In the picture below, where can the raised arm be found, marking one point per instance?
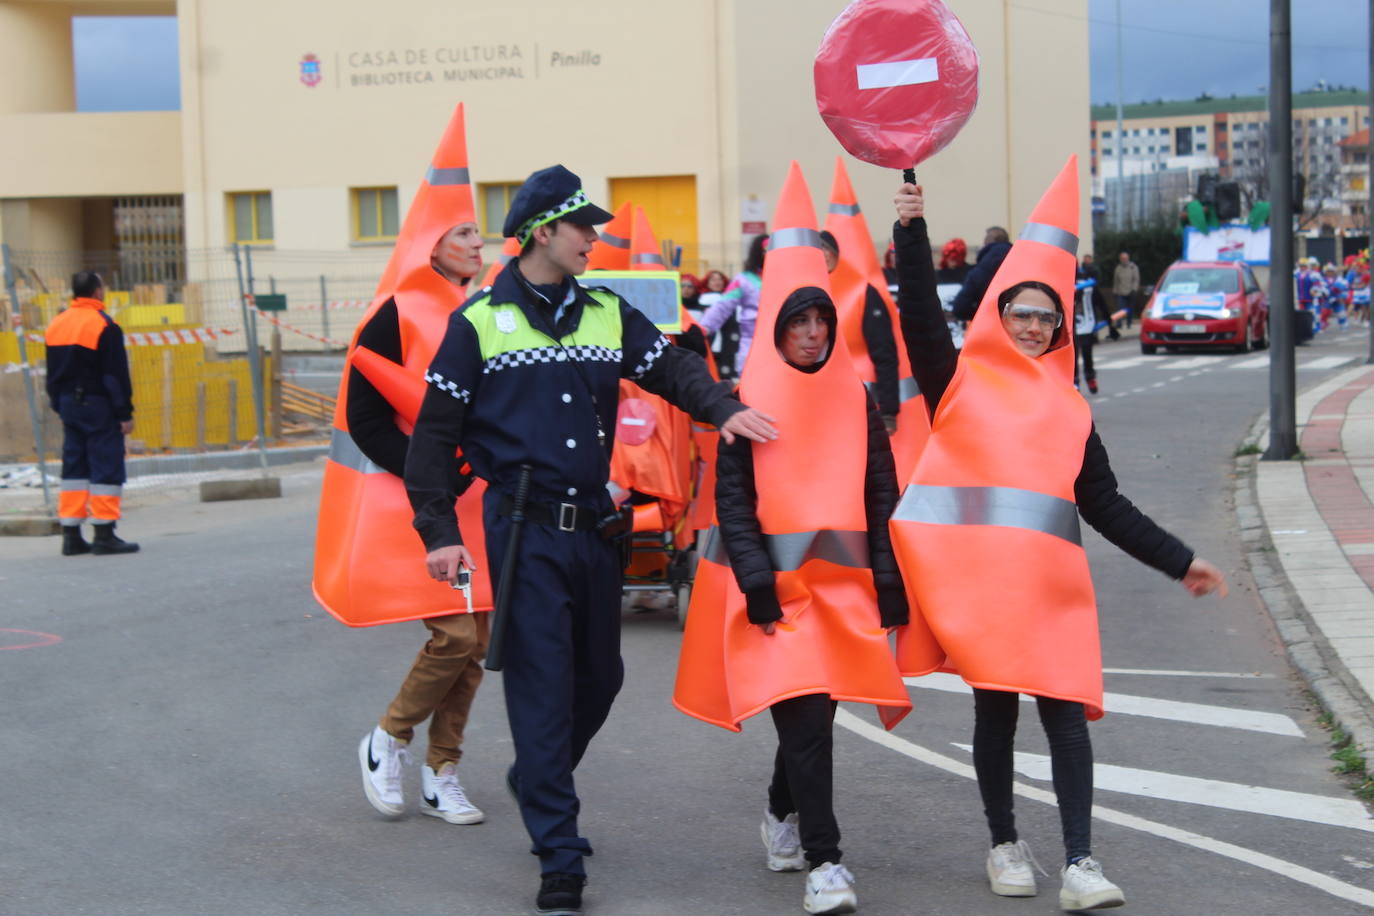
(924, 330)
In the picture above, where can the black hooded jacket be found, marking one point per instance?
(737, 505)
(933, 359)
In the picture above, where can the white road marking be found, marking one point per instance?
(1253, 362)
(1315, 879)
(1214, 793)
(1195, 362)
(1137, 390)
(1270, 723)
(1176, 378)
(1158, 385)
(1127, 363)
(1327, 362)
(1175, 672)
(1197, 372)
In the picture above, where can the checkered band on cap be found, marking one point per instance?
(583, 353)
(650, 357)
(576, 202)
(443, 384)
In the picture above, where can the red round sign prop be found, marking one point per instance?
(634, 421)
(896, 80)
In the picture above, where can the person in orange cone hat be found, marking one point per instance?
(799, 619)
(868, 322)
(526, 382)
(369, 565)
(987, 529)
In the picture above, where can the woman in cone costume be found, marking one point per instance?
(800, 619)
(369, 565)
(1012, 461)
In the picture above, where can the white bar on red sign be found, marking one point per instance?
(898, 73)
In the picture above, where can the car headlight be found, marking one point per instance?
(1229, 312)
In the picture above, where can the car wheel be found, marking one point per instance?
(684, 600)
(1262, 342)
(1149, 349)
(1244, 345)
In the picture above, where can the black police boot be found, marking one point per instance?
(560, 894)
(107, 542)
(73, 543)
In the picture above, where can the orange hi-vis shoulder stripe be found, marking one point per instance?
(987, 529)
(369, 562)
(80, 325)
(810, 485)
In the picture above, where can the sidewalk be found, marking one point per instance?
(1310, 531)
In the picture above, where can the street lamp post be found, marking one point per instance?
(1283, 431)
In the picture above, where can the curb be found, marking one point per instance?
(29, 526)
(1304, 642)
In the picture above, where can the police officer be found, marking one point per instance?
(89, 387)
(528, 374)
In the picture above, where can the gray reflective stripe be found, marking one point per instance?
(70, 486)
(437, 177)
(1004, 507)
(107, 489)
(504, 258)
(343, 450)
(845, 209)
(614, 241)
(1050, 235)
(647, 258)
(907, 389)
(789, 552)
(794, 238)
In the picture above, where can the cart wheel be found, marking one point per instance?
(684, 599)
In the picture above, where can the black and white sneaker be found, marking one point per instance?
(380, 757)
(444, 796)
(560, 894)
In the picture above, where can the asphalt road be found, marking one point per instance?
(185, 741)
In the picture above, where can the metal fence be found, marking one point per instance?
(206, 346)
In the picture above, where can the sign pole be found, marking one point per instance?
(1283, 423)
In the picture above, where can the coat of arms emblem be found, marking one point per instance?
(310, 70)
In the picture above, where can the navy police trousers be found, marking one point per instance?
(562, 671)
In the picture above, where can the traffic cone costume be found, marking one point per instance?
(611, 250)
(858, 270)
(987, 531)
(810, 485)
(369, 562)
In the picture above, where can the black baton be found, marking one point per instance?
(909, 176)
(500, 613)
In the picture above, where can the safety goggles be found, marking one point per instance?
(1022, 315)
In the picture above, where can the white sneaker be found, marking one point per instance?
(380, 756)
(1009, 870)
(1086, 888)
(783, 842)
(830, 889)
(444, 796)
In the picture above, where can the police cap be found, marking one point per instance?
(550, 194)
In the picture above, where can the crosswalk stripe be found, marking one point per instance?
(1271, 723)
(1327, 362)
(1129, 362)
(1215, 793)
(1252, 362)
(1195, 362)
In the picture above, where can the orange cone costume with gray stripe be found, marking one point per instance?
(859, 269)
(987, 530)
(810, 484)
(369, 562)
(611, 250)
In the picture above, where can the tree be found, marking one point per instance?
(1316, 156)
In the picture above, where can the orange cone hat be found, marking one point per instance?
(444, 196)
(860, 269)
(996, 479)
(645, 253)
(611, 250)
(810, 509)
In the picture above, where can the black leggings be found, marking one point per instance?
(803, 773)
(1071, 762)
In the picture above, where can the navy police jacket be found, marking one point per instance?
(511, 385)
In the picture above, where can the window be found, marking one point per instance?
(1106, 150)
(1106, 135)
(1199, 129)
(1200, 146)
(1237, 144)
(375, 214)
(496, 200)
(250, 217)
(1345, 122)
(1151, 149)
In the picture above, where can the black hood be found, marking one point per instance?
(799, 301)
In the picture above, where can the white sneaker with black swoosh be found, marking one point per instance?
(380, 756)
(444, 796)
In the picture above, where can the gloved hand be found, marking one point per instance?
(762, 605)
(893, 610)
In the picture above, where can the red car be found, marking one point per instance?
(1206, 304)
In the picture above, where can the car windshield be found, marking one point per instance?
(1201, 280)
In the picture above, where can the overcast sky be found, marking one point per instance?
(1173, 49)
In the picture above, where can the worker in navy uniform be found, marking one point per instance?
(528, 373)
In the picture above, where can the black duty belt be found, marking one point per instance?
(563, 516)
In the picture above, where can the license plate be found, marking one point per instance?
(1190, 329)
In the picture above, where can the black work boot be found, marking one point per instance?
(107, 542)
(73, 543)
(560, 894)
